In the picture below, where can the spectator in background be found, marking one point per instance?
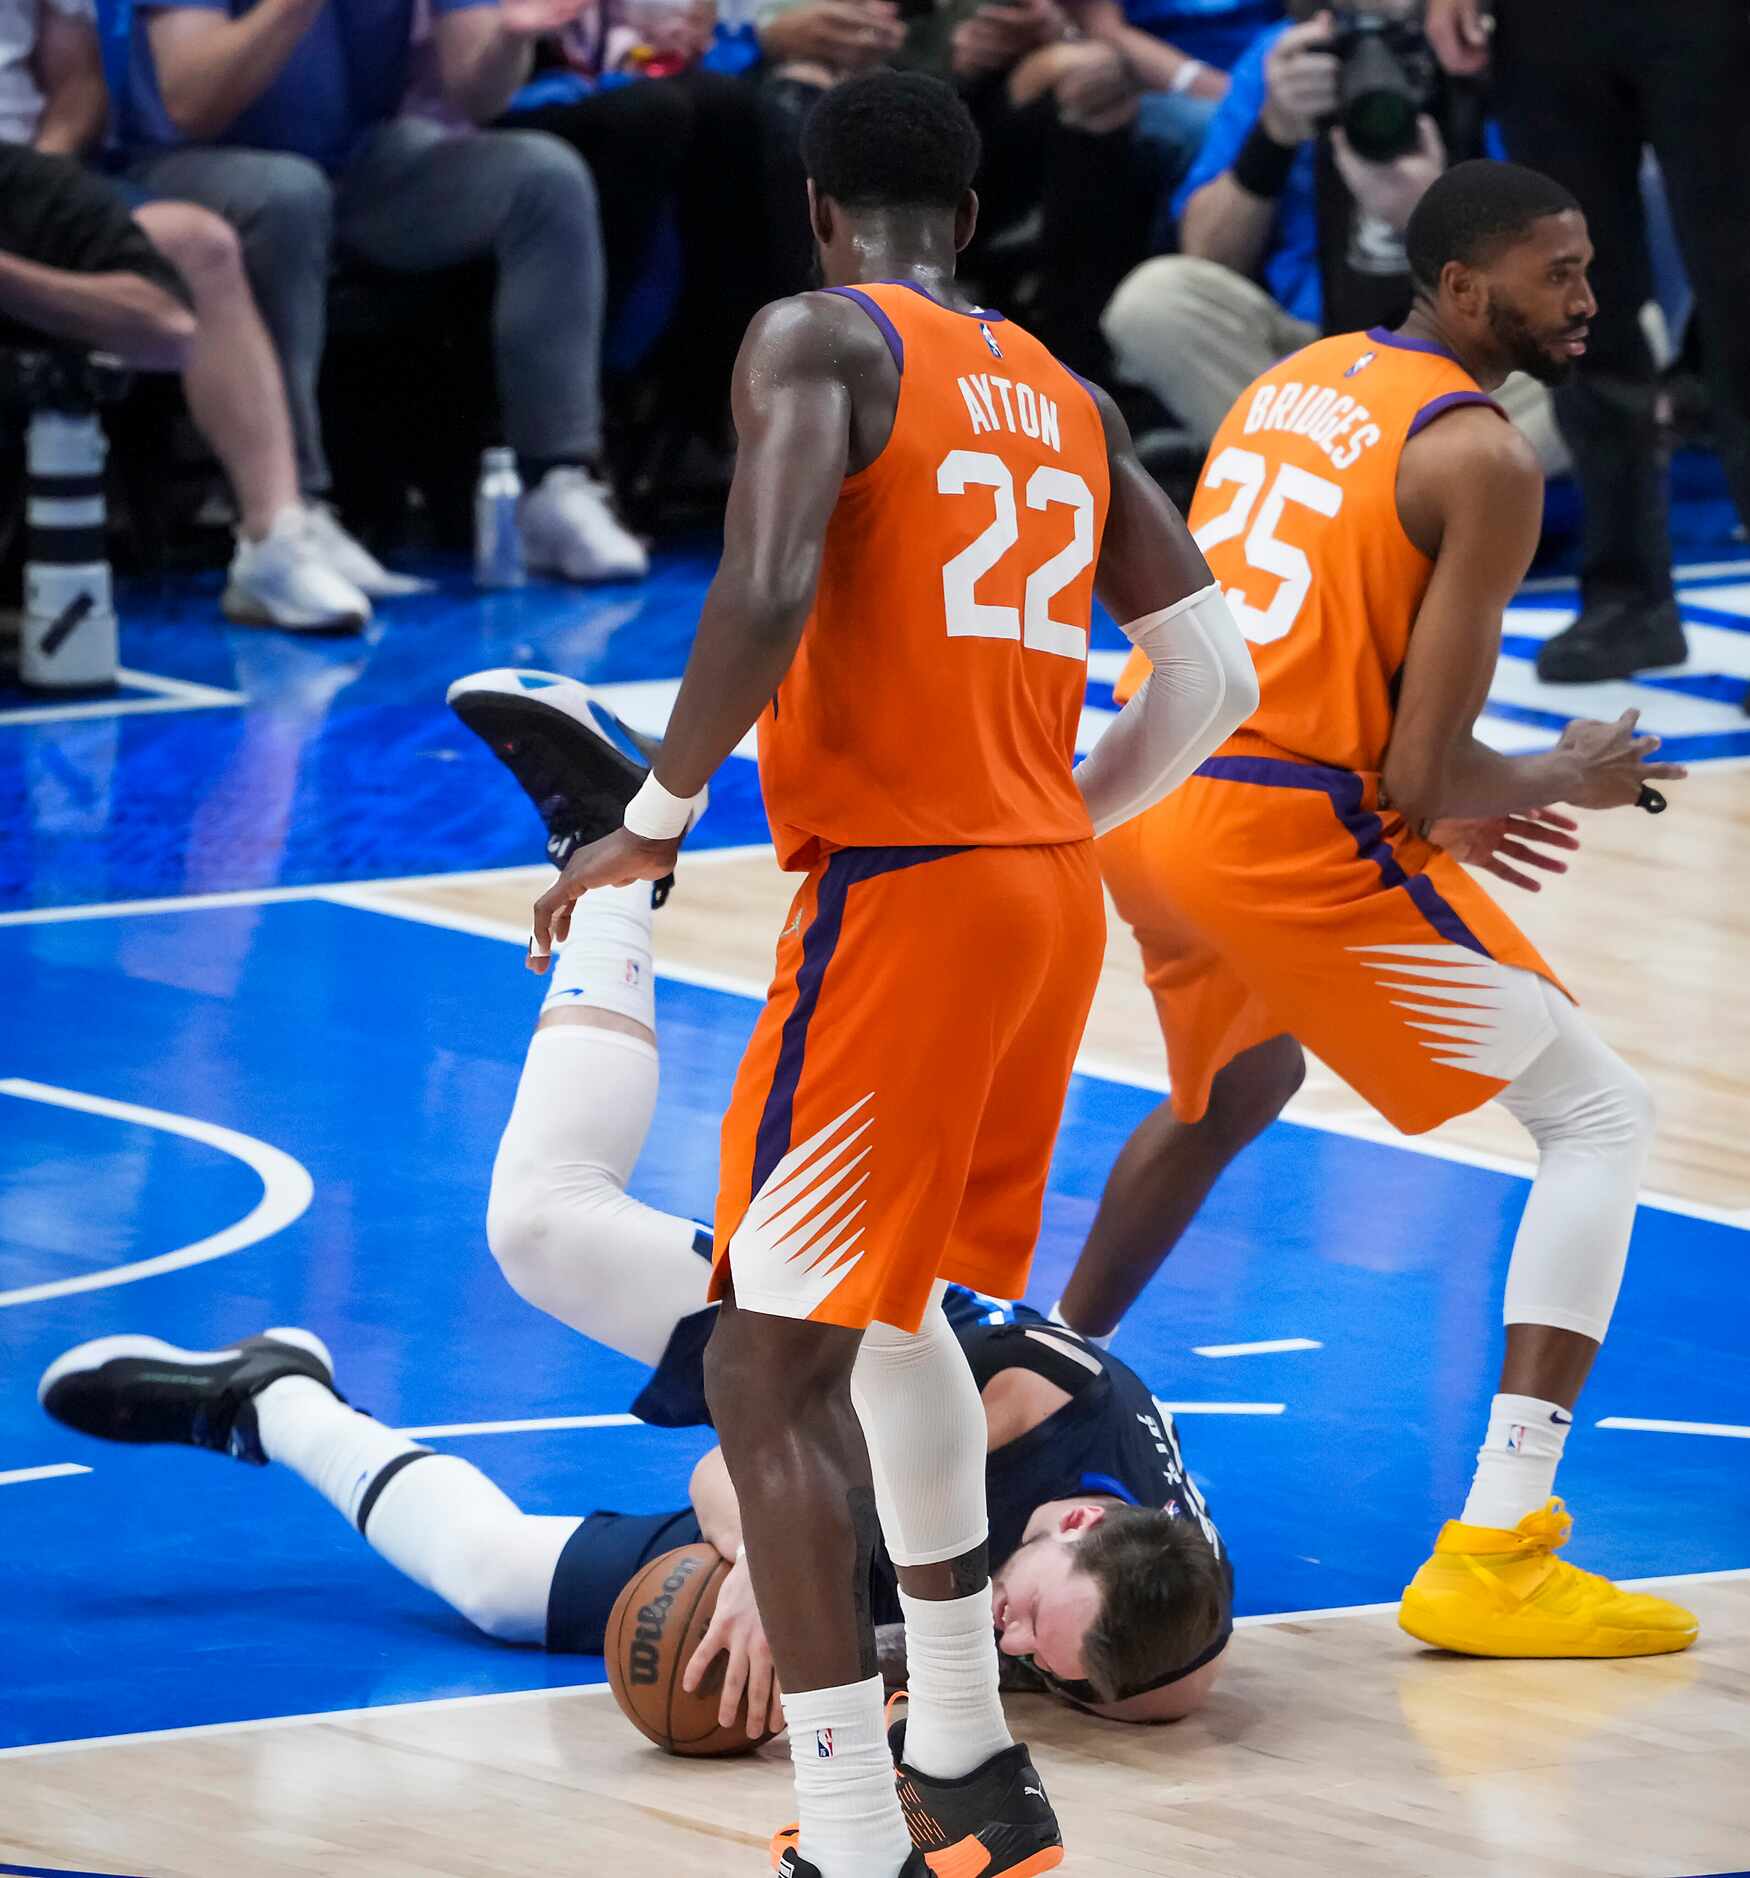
(75, 268)
(1579, 87)
(1093, 110)
(53, 98)
(1286, 233)
(626, 87)
(281, 115)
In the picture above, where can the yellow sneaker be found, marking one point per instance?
(1491, 1593)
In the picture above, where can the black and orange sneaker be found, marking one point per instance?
(992, 1821)
(787, 1862)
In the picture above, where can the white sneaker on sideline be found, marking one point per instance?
(570, 529)
(351, 559)
(287, 580)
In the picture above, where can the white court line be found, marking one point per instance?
(538, 1426)
(1356, 1125)
(1729, 1429)
(286, 1190)
(277, 896)
(499, 1698)
(168, 694)
(1267, 1348)
(61, 1470)
(1221, 1408)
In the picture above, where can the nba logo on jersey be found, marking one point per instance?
(823, 1743)
(1361, 364)
(990, 339)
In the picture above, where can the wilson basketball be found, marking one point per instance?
(653, 1629)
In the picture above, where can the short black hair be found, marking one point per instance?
(891, 140)
(1474, 209)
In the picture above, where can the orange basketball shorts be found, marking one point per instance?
(894, 1116)
(1272, 896)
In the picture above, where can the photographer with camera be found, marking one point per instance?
(1292, 220)
(1579, 87)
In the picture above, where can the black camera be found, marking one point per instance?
(1386, 78)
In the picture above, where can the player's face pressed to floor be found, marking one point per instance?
(1044, 1604)
(1539, 303)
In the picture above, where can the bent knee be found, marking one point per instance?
(203, 246)
(542, 168)
(1168, 294)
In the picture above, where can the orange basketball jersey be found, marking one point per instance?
(1297, 516)
(940, 680)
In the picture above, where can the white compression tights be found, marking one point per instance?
(560, 1223)
(1592, 1119)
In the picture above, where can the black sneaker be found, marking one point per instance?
(1614, 638)
(577, 762)
(141, 1390)
(999, 1808)
(787, 1862)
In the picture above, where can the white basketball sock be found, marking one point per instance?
(605, 962)
(560, 1223)
(305, 1426)
(954, 1719)
(1516, 1465)
(449, 1528)
(433, 1517)
(848, 1806)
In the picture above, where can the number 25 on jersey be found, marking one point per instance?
(1246, 469)
(1032, 623)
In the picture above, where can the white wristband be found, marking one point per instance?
(1186, 76)
(655, 815)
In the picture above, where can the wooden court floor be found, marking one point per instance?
(1335, 1746)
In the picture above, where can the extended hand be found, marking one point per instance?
(1458, 30)
(1300, 77)
(614, 861)
(531, 19)
(845, 34)
(1390, 191)
(1494, 841)
(1612, 762)
(997, 37)
(1096, 90)
(736, 1632)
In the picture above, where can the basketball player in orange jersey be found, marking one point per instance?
(1369, 513)
(923, 501)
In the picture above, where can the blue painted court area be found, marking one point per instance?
(310, 759)
(165, 1588)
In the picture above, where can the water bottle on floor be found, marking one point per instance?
(498, 541)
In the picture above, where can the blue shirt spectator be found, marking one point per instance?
(348, 73)
(1215, 31)
(1290, 269)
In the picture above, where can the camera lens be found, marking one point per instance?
(1377, 101)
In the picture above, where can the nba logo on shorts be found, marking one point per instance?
(1361, 364)
(823, 1743)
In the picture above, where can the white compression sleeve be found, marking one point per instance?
(1201, 689)
(915, 1396)
(1592, 1119)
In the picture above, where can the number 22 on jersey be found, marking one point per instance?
(1031, 623)
(1263, 549)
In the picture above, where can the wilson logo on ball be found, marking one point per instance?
(645, 1655)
